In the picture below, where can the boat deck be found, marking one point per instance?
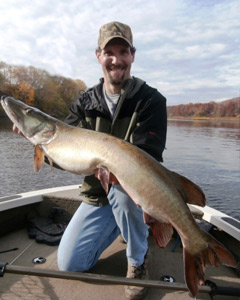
(112, 262)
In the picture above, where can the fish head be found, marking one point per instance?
(36, 126)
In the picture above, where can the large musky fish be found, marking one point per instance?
(162, 194)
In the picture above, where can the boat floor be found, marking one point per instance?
(112, 262)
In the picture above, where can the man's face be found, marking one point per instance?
(116, 60)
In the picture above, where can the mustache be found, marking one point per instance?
(118, 66)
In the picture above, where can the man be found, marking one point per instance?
(126, 107)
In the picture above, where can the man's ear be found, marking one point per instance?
(98, 53)
(133, 57)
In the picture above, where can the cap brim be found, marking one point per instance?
(103, 45)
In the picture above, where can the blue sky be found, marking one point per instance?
(188, 49)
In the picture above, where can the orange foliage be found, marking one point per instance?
(37, 87)
(228, 108)
(25, 92)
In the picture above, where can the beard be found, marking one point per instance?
(116, 79)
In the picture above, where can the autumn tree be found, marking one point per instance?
(228, 108)
(69, 89)
(37, 87)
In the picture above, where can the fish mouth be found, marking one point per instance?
(9, 111)
(3, 101)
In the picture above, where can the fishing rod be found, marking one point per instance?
(210, 289)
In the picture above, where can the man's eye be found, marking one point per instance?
(123, 52)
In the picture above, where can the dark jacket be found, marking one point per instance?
(140, 118)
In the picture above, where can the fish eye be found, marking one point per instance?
(29, 111)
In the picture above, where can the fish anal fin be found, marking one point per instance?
(190, 192)
(161, 231)
(38, 158)
(195, 264)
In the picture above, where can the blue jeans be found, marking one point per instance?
(92, 229)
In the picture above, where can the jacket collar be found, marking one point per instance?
(93, 98)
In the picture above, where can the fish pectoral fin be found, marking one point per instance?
(113, 179)
(38, 158)
(161, 231)
(105, 178)
(190, 192)
(214, 254)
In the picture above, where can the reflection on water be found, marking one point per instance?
(204, 123)
(205, 152)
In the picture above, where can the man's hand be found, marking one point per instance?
(16, 130)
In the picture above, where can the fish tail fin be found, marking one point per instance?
(195, 264)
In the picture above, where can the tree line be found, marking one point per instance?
(53, 94)
(229, 108)
(36, 87)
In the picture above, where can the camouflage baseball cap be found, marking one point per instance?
(114, 30)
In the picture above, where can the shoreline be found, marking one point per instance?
(221, 119)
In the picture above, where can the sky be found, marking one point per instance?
(188, 49)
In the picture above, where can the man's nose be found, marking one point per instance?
(115, 59)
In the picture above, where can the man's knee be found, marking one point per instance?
(71, 265)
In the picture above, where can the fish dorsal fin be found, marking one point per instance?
(105, 178)
(190, 192)
(38, 158)
(161, 231)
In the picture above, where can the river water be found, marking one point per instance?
(206, 152)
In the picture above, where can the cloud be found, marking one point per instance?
(187, 49)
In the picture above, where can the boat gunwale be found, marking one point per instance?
(209, 214)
